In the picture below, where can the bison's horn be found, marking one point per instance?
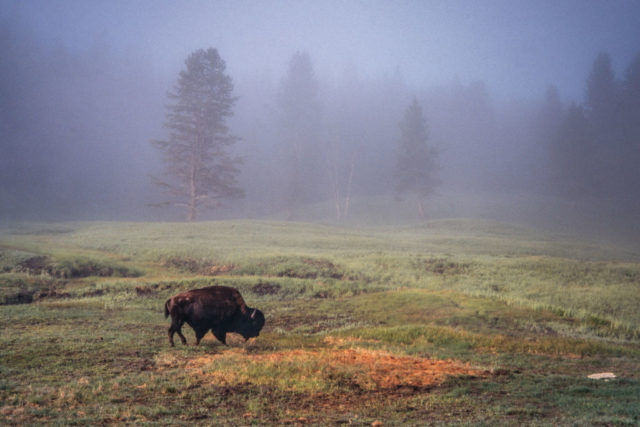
(253, 314)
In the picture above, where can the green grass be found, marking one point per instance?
(530, 316)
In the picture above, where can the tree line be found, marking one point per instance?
(75, 131)
(595, 150)
(200, 173)
(588, 151)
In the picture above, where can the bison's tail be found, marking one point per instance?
(166, 308)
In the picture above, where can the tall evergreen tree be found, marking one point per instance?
(416, 162)
(631, 130)
(604, 108)
(601, 88)
(200, 169)
(299, 106)
(631, 101)
(546, 125)
(550, 113)
(573, 164)
(632, 82)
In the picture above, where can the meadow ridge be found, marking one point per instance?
(447, 321)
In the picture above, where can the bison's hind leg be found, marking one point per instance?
(176, 328)
(171, 332)
(182, 338)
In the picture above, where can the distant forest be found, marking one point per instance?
(76, 131)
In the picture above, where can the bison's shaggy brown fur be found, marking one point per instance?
(220, 309)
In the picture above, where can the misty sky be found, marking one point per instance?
(516, 47)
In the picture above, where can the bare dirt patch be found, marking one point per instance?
(442, 266)
(197, 266)
(74, 268)
(265, 288)
(34, 265)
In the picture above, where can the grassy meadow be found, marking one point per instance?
(445, 322)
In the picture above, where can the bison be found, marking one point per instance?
(220, 309)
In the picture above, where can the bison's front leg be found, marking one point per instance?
(221, 335)
(199, 335)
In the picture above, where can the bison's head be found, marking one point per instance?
(251, 324)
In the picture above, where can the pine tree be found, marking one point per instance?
(200, 169)
(573, 163)
(604, 114)
(631, 132)
(601, 89)
(416, 163)
(299, 105)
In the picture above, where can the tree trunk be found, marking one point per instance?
(337, 199)
(295, 190)
(347, 200)
(421, 209)
(192, 195)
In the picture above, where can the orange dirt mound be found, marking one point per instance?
(366, 369)
(380, 370)
(389, 371)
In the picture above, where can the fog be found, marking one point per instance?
(532, 106)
